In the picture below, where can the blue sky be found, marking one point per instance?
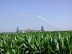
(52, 14)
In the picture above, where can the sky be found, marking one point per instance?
(52, 14)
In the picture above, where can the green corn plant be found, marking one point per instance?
(36, 43)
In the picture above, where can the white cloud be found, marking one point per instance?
(23, 14)
(42, 18)
(29, 15)
(39, 17)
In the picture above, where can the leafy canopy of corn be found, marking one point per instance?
(36, 43)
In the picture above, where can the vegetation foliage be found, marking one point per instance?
(36, 43)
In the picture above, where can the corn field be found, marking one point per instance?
(36, 43)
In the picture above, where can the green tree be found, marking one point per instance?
(42, 29)
(17, 30)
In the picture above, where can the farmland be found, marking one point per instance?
(36, 43)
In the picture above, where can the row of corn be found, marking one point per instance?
(36, 43)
